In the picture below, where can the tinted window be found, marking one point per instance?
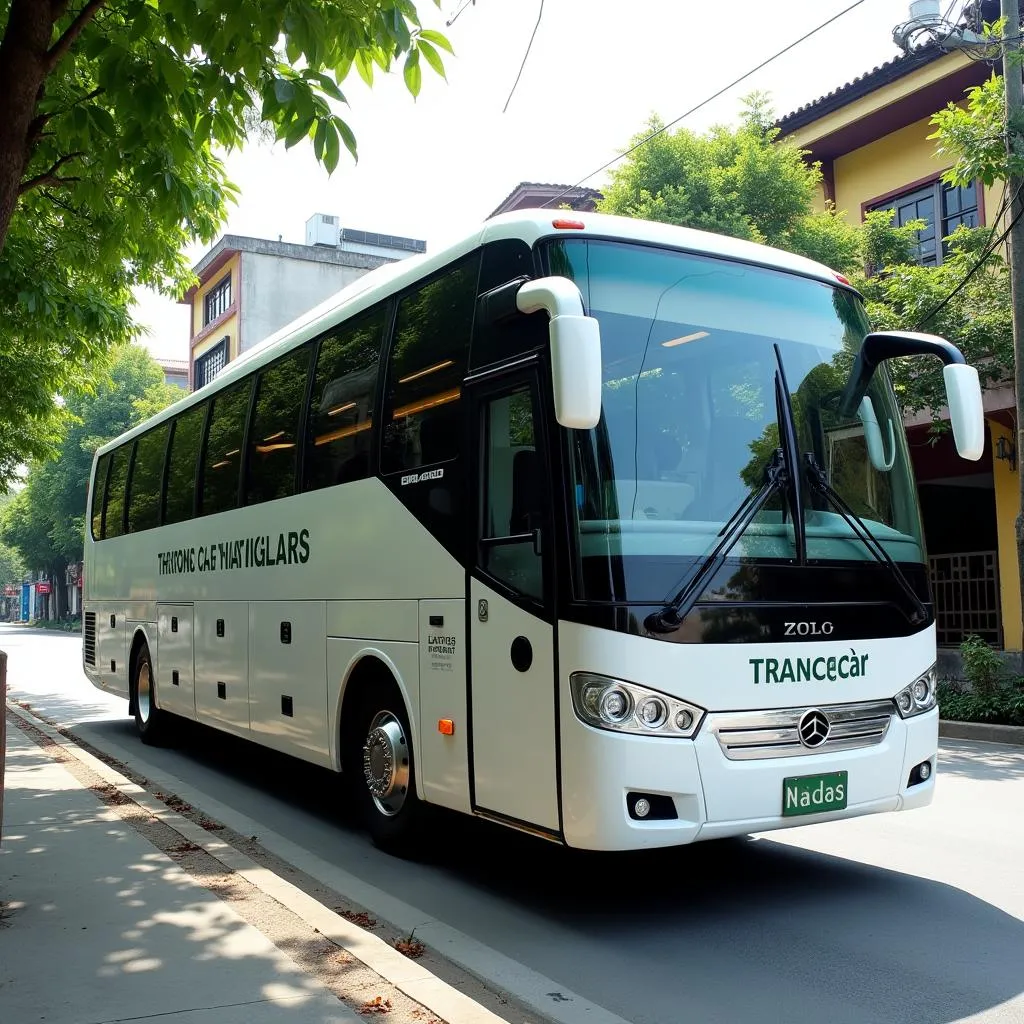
(181, 465)
(273, 438)
(341, 414)
(147, 473)
(513, 494)
(113, 511)
(493, 342)
(428, 363)
(98, 488)
(223, 455)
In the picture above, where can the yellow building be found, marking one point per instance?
(870, 136)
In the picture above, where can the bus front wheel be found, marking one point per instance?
(380, 770)
(150, 721)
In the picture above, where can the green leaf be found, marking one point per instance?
(432, 36)
(347, 137)
(330, 87)
(299, 130)
(332, 151)
(433, 58)
(284, 90)
(103, 120)
(413, 73)
(320, 137)
(342, 68)
(364, 65)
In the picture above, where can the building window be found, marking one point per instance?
(217, 300)
(942, 207)
(211, 363)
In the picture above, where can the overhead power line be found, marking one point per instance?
(703, 103)
(529, 46)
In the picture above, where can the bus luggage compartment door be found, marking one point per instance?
(174, 668)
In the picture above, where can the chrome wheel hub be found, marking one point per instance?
(386, 763)
(144, 695)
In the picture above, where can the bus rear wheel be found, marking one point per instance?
(379, 765)
(150, 721)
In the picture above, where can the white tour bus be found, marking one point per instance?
(599, 528)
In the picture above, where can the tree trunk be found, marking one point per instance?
(23, 67)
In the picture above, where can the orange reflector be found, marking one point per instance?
(561, 222)
(446, 727)
(839, 277)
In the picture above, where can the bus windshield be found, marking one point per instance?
(690, 422)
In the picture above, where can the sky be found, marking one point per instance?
(435, 167)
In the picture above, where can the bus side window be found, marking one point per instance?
(98, 491)
(341, 410)
(181, 465)
(144, 488)
(113, 505)
(513, 498)
(274, 434)
(504, 261)
(422, 423)
(222, 457)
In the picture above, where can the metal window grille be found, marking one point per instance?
(210, 364)
(217, 300)
(966, 591)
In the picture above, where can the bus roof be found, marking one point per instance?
(528, 225)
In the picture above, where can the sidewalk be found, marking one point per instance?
(98, 925)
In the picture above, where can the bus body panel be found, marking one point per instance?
(111, 670)
(714, 796)
(443, 758)
(174, 660)
(222, 665)
(731, 677)
(514, 711)
(288, 677)
(400, 660)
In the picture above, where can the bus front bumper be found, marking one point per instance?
(714, 797)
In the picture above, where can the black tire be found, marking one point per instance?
(378, 749)
(151, 723)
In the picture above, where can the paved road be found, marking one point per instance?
(915, 918)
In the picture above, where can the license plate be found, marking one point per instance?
(812, 794)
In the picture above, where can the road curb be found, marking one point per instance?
(1012, 734)
(534, 991)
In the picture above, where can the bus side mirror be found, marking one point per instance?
(963, 389)
(575, 341)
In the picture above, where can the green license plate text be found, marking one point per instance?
(812, 794)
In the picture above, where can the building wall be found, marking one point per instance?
(204, 338)
(1007, 497)
(275, 290)
(895, 162)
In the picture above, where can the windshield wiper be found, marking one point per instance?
(819, 481)
(777, 478)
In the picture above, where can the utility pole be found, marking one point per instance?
(1014, 88)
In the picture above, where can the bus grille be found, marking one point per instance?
(751, 735)
(89, 638)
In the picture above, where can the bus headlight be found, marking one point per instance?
(614, 704)
(918, 697)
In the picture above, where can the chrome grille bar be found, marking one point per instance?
(754, 735)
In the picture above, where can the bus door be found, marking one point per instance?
(511, 606)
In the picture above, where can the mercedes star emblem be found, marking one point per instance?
(814, 728)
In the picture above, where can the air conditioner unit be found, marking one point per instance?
(322, 229)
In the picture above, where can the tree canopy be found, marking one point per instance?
(116, 115)
(45, 521)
